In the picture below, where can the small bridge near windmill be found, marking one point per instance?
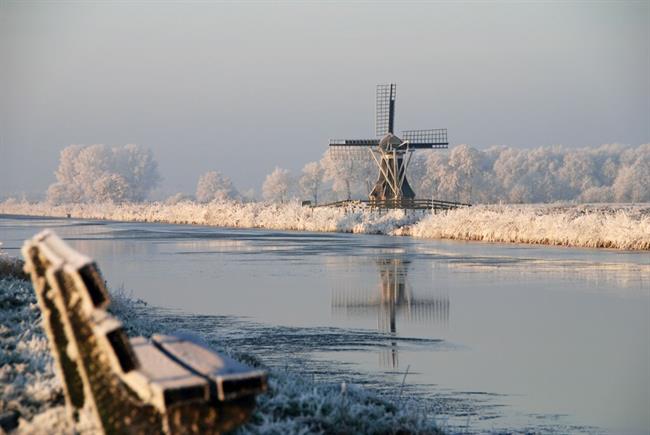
(392, 154)
(411, 204)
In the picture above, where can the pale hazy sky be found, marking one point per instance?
(243, 87)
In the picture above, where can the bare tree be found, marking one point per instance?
(213, 186)
(341, 173)
(311, 180)
(277, 185)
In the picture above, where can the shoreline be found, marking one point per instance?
(31, 399)
(609, 226)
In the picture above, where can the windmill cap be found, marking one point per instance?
(390, 140)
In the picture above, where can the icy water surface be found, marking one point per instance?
(490, 336)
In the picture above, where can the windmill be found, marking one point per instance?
(392, 153)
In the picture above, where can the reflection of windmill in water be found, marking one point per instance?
(393, 300)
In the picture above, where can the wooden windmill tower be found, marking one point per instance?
(392, 153)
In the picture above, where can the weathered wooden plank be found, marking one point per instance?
(130, 386)
(163, 380)
(231, 378)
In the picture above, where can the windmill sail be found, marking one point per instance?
(435, 138)
(391, 153)
(385, 109)
(354, 142)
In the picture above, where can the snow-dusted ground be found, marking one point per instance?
(31, 395)
(595, 226)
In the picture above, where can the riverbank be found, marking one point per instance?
(614, 226)
(31, 399)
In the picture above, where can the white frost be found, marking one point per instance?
(610, 226)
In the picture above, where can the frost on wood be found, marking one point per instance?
(164, 385)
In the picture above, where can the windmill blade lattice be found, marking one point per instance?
(385, 109)
(348, 153)
(351, 149)
(391, 153)
(420, 139)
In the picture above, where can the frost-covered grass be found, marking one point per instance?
(27, 383)
(597, 226)
(31, 395)
(592, 226)
(11, 267)
(287, 216)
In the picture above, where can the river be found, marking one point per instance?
(494, 336)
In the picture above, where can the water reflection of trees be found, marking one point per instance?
(391, 301)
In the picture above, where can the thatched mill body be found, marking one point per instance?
(392, 153)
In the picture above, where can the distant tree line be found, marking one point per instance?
(607, 173)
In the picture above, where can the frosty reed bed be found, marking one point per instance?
(593, 226)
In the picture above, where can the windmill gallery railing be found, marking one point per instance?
(404, 203)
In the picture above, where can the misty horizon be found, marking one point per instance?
(242, 88)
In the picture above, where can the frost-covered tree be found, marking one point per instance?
(139, 169)
(111, 187)
(99, 173)
(543, 174)
(311, 180)
(417, 175)
(213, 186)
(277, 185)
(340, 173)
(632, 183)
(349, 176)
(367, 175)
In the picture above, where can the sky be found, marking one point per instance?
(243, 87)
